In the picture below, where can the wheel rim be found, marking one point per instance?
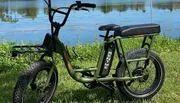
(34, 92)
(150, 81)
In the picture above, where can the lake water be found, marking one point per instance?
(27, 21)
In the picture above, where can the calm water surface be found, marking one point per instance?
(27, 21)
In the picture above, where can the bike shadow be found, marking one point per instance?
(88, 96)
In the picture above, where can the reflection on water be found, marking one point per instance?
(8, 10)
(28, 12)
(24, 14)
(7, 16)
(171, 5)
(122, 7)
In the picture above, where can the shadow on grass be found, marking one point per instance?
(7, 81)
(73, 95)
(89, 96)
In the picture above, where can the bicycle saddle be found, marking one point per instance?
(141, 29)
(110, 27)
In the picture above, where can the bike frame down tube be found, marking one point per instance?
(60, 48)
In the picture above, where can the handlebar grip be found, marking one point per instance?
(88, 5)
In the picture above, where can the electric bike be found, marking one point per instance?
(139, 73)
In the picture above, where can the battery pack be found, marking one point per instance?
(108, 55)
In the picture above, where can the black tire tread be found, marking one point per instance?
(120, 69)
(25, 78)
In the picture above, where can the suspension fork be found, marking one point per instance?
(50, 73)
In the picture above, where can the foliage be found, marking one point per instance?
(71, 91)
(8, 63)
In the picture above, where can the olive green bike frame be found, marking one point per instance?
(60, 48)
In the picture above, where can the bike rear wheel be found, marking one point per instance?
(30, 85)
(153, 76)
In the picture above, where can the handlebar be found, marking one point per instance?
(88, 5)
(78, 5)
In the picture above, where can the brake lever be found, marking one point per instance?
(76, 8)
(85, 9)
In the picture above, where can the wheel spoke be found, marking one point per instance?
(29, 88)
(151, 79)
(142, 85)
(138, 87)
(133, 85)
(137, 64)
(38, 93)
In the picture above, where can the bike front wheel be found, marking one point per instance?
(30, 85)
(152, 76)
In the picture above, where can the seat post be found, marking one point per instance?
(144, 42)
(107, 33)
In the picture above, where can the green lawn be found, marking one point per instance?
(71, 91)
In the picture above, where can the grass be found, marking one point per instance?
(71, 91)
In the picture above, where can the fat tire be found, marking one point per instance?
(26, 77)
(121, 69)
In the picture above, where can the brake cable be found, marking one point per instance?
(76, 55)
(68, 52)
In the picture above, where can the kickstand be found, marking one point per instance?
(110, 89)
